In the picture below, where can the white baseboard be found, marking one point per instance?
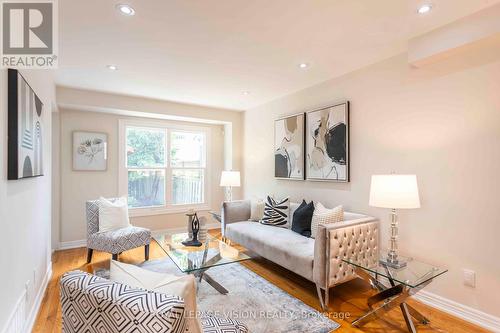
(30, 321)
(459, 310)
(83, 242)
(18, 322)
(72, 244)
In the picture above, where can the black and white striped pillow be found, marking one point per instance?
(276, 212)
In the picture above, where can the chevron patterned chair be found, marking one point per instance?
(93, 304)
(115, 241)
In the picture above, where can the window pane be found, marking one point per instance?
(187, 149)
(187, 186)
(145, 147)
(146, 188)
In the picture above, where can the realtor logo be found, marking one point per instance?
(29, 34)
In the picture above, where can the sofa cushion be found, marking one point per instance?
(257, 210)
(301, 222)
(324, 215)
(276, 212)
(280, 245)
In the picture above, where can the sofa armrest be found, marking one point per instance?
(88, 299)
(234, 211)
(355, 239)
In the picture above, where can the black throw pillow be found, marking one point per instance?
(302, 217)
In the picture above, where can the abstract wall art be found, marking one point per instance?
(327, 143)
(90, 151)
(25, 129)
(289, 147)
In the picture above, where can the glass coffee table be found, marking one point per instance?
(394, 287)
(197, 260)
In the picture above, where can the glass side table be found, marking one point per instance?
(394, 287)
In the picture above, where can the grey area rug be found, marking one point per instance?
(253, 300)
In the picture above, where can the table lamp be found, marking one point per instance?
(230, 179)
(394, 192)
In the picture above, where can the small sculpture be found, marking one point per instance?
(195, 227)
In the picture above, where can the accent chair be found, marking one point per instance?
(114, 241)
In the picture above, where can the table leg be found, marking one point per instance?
(417, 315)
(390, 298)
(216, 285)
(202, 275)
(407, 316)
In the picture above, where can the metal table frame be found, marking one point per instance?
(390, 297)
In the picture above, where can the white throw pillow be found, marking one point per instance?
(324, 215)
(257, 210)
(113, 214)
(183, 286)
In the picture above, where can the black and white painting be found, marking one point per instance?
(25, 127)
(289, 147)
(327, 143)
(90, 151)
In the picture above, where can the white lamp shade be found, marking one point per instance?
(230, 178)
(394, 191)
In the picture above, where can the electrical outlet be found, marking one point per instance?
(469, 278)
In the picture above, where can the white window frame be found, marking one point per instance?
(169, 208)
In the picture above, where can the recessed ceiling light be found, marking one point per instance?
(246, 93)
(125, 9)
(424, 9)
(303, 65)
(112, 67)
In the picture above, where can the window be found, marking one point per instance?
(163, 167)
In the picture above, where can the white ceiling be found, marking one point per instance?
(208, 52)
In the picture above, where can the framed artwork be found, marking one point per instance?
(25, 129)
(90, 151)
(327, 143)
(289, 147)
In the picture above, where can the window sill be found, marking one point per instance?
(138, 212)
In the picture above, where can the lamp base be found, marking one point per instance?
(398, 263)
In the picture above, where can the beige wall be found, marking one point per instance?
(25, 209)
(79, 186)
(441, 123)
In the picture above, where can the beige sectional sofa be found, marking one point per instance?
(319, 260)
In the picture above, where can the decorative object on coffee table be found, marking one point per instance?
(194, 225)
(394, 191)
(403, 283)
(230, 179)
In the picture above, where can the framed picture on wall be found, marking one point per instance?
(25, 129)
(327, 143)
(289, 147)
(90, 151)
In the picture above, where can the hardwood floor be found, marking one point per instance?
(346, 299)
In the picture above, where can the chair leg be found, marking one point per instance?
(115, 256)
(89, 255)
(146, 252)
(320, 296)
